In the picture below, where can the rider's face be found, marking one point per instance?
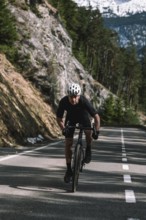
(74, 99)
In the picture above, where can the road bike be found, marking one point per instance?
(79, 154)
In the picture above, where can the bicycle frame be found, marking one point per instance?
(78, 158)
(79, 142)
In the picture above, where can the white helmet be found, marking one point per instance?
(74, 89)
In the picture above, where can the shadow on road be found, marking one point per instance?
(29, 192)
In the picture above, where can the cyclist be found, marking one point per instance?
(78, 110)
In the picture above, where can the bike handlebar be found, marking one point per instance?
(81, 127)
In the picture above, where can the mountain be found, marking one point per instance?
(131, 29)
(126, 17)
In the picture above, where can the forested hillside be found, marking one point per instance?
(131, 30)
(98, 49)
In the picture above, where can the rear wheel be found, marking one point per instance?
(76, 167)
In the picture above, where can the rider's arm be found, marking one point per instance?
(60, 113)
(92, 112)
(97, 121)
(60, 123)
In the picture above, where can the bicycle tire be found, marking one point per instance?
(76, 167)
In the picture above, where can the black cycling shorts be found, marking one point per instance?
(84, 121)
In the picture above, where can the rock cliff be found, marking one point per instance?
(45, 54)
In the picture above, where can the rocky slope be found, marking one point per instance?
(23, 112)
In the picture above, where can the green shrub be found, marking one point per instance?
(131, 117)
(114, 112)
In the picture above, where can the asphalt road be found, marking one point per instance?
(111, 187)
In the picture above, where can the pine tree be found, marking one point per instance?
(118, 111)
(107, 114)
(142, 92)
(8, 33)
(132, 78)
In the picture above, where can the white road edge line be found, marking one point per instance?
(27, 152)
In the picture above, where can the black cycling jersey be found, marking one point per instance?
(78, 113)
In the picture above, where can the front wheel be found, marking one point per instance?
(76, 167)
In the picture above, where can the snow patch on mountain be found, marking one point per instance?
(118, 7)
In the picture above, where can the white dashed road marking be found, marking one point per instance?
(133, 219)
(124, 159)
(124, 154)
(125, 167)
(127, 178)
(130, 196)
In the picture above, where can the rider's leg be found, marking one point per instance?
(68, 149)
(68, 156)
(88, 135)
